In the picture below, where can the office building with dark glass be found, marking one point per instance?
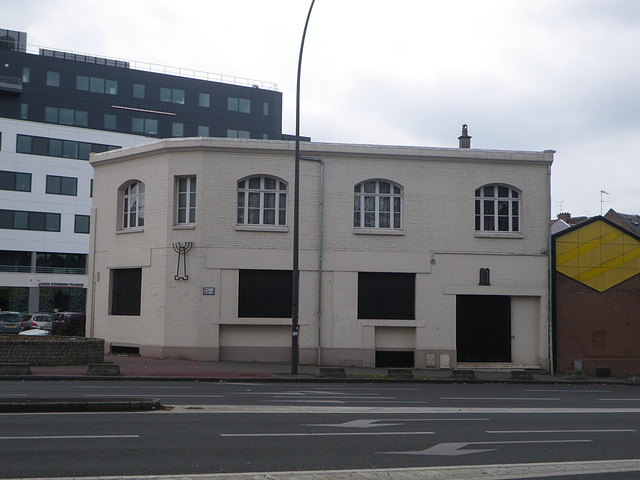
(56, 108)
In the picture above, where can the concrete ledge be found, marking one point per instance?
(15, 405)
(521, 375)
(331, 372)
(402, 373)
(15, 369)
(577, 375)
(103, 369)
(463, 374)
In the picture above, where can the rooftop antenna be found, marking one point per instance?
(602, 192)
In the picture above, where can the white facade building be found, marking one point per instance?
(409, 256)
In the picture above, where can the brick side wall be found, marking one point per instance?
(600, 329)
(51, 351)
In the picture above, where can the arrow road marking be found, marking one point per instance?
(326, 434)
(355, 424)
(368, 423)
(454, 449)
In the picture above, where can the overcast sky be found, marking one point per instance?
(523, 74)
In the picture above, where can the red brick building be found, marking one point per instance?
(596, 299)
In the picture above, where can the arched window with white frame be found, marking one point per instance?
(377, 204)
(497, 209)
(262, 201)
(133, 205)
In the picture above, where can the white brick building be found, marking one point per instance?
(409, 256)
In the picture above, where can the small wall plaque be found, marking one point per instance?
(208, 290)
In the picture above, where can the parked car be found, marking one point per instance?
(68, 323)
(35, 320)
(35, 332)
(10, 322)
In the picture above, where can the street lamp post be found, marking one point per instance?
(295, 294)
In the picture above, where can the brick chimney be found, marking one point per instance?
(464, 140)
(565, 216)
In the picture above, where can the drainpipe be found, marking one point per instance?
(320, 253)
(92, 280)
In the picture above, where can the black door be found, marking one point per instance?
(483, 328)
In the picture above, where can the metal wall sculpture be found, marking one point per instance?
(182, 248)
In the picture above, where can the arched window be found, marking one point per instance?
(497, 209)
(262, 200)
(377, 204)
(133, 205)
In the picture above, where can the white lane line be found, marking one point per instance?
(325, 434)
(572, 391)
(619, 399)
(339, 397)
(612, 430)
(309, 409)
(129, 387)
(165, 395)
(333, 402)
(67, 437)
(528, 399)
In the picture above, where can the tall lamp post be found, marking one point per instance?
(295, 294)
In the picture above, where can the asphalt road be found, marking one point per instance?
(266, 427)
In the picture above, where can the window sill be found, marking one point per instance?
(261, 228)
(130, 230)
(499, 235)
(389, 323)
(186, 226)
(377, 231)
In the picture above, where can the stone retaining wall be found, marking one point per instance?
(51, 351)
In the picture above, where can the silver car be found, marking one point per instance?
(10, 322)
(36, 320)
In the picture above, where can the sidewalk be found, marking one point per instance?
(132, 368)
(143, 368)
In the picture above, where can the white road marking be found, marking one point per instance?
(67, 437)
(456, 449)
(165, 395)
(613, 430)
(325, 434)
(619, 399)
(363, 423)
(304, 409)
(130, 387)
(501, 398)
(513, 471)
(308, 401)
(572, 391)
(373, 422)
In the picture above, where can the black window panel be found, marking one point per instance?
(81, 224)
(126, 288)
(23, 144)
(265, 293)
(15, 259)
(61, 260)
(7, 180)
(39, 146)
(386, 295)
(6, 219)
(37, 221)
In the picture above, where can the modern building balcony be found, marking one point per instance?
(10, 84)
(50, 270)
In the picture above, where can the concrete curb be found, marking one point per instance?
(34, 405)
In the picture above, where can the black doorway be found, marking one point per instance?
(483, 328)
